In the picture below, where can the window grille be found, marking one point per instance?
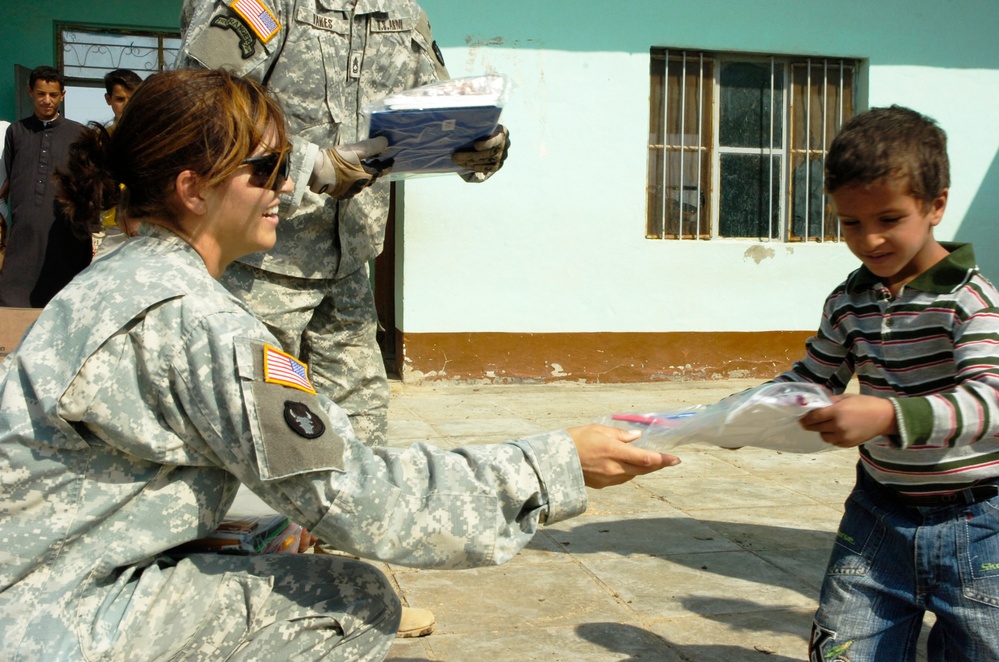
(87, 53)
(737, 145)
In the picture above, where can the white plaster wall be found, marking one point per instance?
(555, 241)
(962, 102)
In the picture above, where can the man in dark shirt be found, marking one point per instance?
(43, 253)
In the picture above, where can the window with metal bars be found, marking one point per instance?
(86, 53)
(737, 144)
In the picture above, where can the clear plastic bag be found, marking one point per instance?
(426, 125)
(765, 417)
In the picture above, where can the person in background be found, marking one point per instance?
(120, 85)
(4, 211)
(42, 254)
(134, 408)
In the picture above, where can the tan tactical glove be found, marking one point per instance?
(338, 171)
(486, 155)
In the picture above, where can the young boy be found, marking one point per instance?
(120, 84)
(920, 327)
(43, 253)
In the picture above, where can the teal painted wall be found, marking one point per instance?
(941, 33)
(27, 30)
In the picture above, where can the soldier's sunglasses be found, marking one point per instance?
(269, 171)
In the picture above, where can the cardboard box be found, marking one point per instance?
(13, 323)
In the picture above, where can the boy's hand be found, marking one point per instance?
(851, 420)
(607, 459)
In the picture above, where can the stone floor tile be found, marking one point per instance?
(597, 641)
(704, 584)
(637, 535)
(476, 427)
(758, 529)
(407, 430)
(769, 635)
(631, 497)
(511, 597)
(722, 491)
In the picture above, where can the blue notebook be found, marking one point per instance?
(423, 140)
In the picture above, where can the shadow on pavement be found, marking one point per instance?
(634, 642)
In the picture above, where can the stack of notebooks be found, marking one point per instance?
(424, 126)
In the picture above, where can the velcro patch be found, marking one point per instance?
(296, 436)
(246, 40)
(292, 431)
(285, 369)
(258, 18)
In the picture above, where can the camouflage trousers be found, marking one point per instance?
(217, 607)
(332, 326)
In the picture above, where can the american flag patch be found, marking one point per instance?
(258, 17)
(285, 369)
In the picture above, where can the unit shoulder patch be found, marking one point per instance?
(246, 40)
(305, 422)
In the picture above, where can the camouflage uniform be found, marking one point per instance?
(128, 417)
(327, 60)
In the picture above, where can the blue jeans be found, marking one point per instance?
(891, 563)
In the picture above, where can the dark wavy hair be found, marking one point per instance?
(890, 143)
(206, 121)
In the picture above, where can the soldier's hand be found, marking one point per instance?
(608, 459)
(345, 170)
(306, 541)
(486, 155)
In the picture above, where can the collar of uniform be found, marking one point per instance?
(166, 235)
(942, 278)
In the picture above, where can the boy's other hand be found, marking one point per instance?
(607, 459)
(851, 420)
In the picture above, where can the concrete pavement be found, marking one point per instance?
(717, 559)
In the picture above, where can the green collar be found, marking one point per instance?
(942, 278)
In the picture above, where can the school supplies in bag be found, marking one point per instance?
(425, 125)
(765, 417)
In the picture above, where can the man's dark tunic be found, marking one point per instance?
(43, 254)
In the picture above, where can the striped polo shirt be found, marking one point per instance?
(933, 351)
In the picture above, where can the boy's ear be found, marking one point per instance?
(937, 206)
(188, 188)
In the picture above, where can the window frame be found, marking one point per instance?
(161, 35)
(670, 69)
